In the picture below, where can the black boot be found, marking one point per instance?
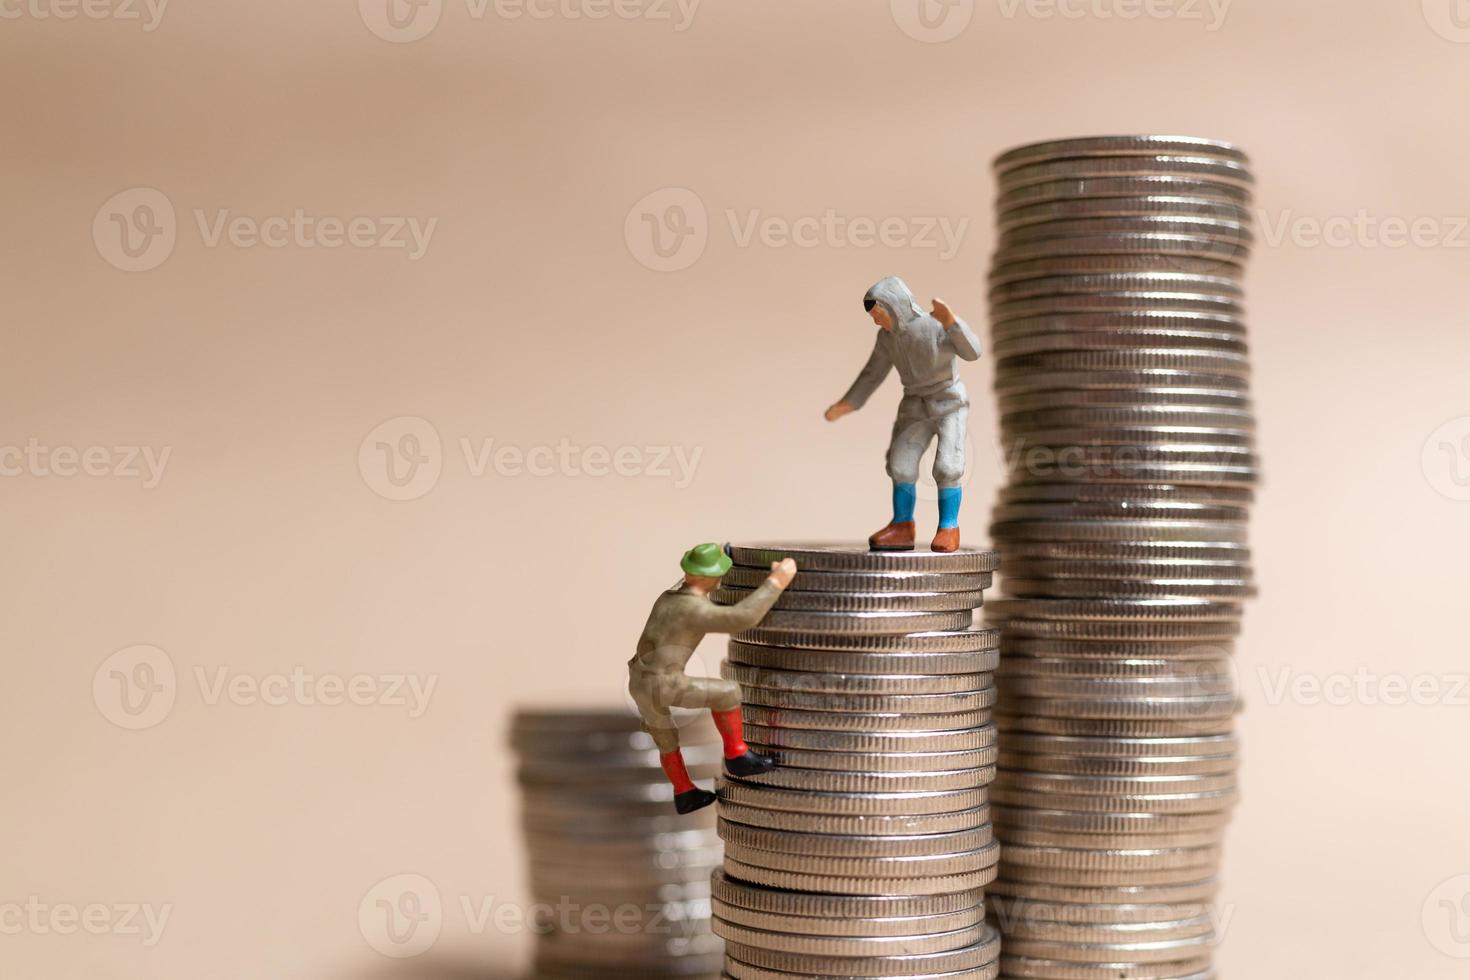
(749, 764)
(695, 799)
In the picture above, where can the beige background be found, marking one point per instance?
(532, 318)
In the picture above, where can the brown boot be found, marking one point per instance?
(898, 536)
(946, 539)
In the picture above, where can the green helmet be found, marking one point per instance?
(706, 560)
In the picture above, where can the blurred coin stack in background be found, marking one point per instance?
(865, 854)
(620, 884)
(1121, 375)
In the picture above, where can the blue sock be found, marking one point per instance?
(949, 506)
(904, 495)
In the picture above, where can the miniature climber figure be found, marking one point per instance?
(680, 619)
(923, 347)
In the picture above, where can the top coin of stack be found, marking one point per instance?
(1123, 386)
(621, 883)
(864, 854)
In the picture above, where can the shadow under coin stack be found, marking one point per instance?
(1121, 374)
(865, 854)
(621, 882)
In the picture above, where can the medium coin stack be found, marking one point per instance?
(1122, 379)
(866, 852)
(620, 883)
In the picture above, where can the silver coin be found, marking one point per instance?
(852, 845)
(1005, 272)
(1024, 968)
(833, 721)
(1164, 803)
(829, 781)
(980, 738)
(784, 942)
(866, 684)
(1020, 344)
(876, 761)
(1116, 787)
(850, 925)
(1107, 493)
(861, 623)
(1199, 684)
(869, 704)
(1123, 207)
(1222, 590)
(1090, 379)
(1118, 146)
(808, 580)
(927, 642)
(983, 952)
(872, 825)
(882, 868)
(1176, 164)
(1125, 509)
(867, 663)
(845, 885)
(830, 602)
(1122, 748)
(1068, 188)
(838, 557)
(853, 804)
(1162, 244)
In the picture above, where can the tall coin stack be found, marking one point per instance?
(619, 881)
(1121, 374)
(865, 853)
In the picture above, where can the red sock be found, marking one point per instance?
(732, 730)
(678, 773)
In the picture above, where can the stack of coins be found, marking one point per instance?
(620, 883)
(866, 852)
(1121, 374)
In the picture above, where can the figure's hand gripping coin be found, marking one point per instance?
(782, 572)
